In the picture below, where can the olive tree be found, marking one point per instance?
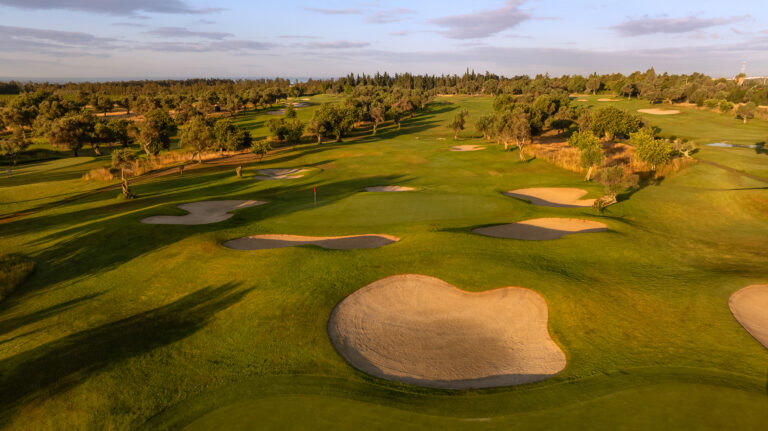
(72, 131)
(458, 122)
(746, 111)
(649, 149)
(121, 159)
(198, 137)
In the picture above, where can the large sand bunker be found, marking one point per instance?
(750, 307)
(389, 189)
(541, 229)
(421, 330)
(280, 174)
(654, 111)
(553, 197)
(351, 242)
(203, 212)
(468, 148)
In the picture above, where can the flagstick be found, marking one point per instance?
(315, 191)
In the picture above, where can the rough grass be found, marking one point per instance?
(124, 325)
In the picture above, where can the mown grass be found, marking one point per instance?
(14, 269)
(125, 325)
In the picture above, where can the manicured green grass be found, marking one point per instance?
(125, 325)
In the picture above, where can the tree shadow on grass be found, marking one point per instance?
(108, 236)
(55, 367)
(8, 325)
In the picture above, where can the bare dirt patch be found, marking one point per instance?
(467, 148)
(421, 330)
(553, 197)
(750, 308)
(389, 189)
(541, 229)
(655, 111)
(351, 242)
(280, 174)
(204, 212)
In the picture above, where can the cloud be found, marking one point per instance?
(129, 24)
(297, 36)
(342, 44)
(399, 33)
(350, 11)
(51, 42)
(217, 46)
(389, 16)
(483, 23)
(645, 26)
(111, 7)
(181, 32)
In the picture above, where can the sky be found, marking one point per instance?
(157, 39)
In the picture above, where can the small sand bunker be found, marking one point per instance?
(421, 330)
(351, 242)
(299, 105)
(582, 100)
(553, 197)
(389, 189)
(306, 99)
(750, 307)
(280, 174)
(607, 100)
(203, 212)
(655, 111)
(468, 148)
(541, 229)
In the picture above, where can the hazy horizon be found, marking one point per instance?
(76, 40)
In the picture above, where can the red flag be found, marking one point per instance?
(314, 189)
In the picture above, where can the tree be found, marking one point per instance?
(13, 145)
(614, 180)
(649, 149)
(261, 148)
(396, 115)
(230, 137)
(459, 120)
(102, 104)
(290, 111)
(198, 137)
(612, 122)
(485, 125)
(154, 133)
(123, 158)
(515, 126)
(378, 114)
(593, 83)
(332, 120)
(746, 111)
(591, 156)
(72, 131)
(120, 131)
(628, 89)
(684, 147)
(583, 139)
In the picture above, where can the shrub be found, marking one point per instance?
(14, 269)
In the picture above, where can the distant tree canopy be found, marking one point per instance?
(72, 131)
(332, 120)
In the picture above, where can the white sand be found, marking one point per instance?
(280, 174)
(203, 212)
(351, 242)
(421, 330)
(468, 148)
(654, 111)
(541, 229)
(582, 100)
(553, 197)
(299, 105)
(389, 189)
(607, 100)
(306, 99)
(750, 307)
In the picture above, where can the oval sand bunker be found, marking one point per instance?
(421, 330)
(203, 212)
(351, 242)
(280, 174)
(467, 148)
(541, 229)
(655, 111)
(750, 307)
(553, 197)
(389, 189)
